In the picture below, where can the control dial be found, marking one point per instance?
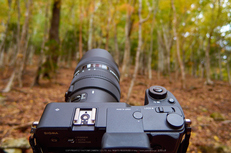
(175, 120)
(157, 92)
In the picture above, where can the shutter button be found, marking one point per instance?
(138, 115)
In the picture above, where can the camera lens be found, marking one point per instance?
(97, 77)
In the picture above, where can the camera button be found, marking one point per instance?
(175, 120)
(138, 115)
(171, 100)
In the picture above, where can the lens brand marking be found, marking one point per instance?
(51, 133)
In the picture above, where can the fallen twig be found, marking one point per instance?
(19, 127)
(226, 122)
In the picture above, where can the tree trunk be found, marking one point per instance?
(202, 68)
(51, 63)
(160, 55)
(2, 58)
(220, 63)
(4, 36)
(211, 30)
(18, 24)
(207, 61)
(151, 44)
(26, 52)
(126, 57)
(150, 64)
(141, 21)
(18, 32)
(168, 41)
(142, 64)
(31, 54)
(108, 25)
(228, 71)
(23, 43)
(10, 54)
(80, 31)
(201, 62)
(42, 57)
(178, 45)
(20, 55)
(117, 53)
(90, 32)
(192, 60)
(54, 29)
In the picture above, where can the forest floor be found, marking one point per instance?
(208, 107)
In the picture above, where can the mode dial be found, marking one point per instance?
(157, 92)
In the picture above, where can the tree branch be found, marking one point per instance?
(149, 13)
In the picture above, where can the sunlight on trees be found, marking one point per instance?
(199, 42)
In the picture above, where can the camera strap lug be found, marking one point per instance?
(185, 143)
(32, 140)
(34, 126)
(34, 146)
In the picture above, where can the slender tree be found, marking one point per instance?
(80, 30)
(161, 56)
(140, 43)
(5, 34)
(90, 30)
(219, 59)
(117, 53)
(18, 67)
(42, 57)
(214, 24)
(168, 42)
(155, 8)
(128, 30)
(108, 24)
(178, 45)
(228, 70)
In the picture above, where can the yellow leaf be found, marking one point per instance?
(193, 134)
(216, 138)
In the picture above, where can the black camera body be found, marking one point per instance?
(88, 124)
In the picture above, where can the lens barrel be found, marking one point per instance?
(96, 79)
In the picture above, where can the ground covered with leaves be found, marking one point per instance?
(208, 107)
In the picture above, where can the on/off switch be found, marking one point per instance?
(165, 109)
(161, 109)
